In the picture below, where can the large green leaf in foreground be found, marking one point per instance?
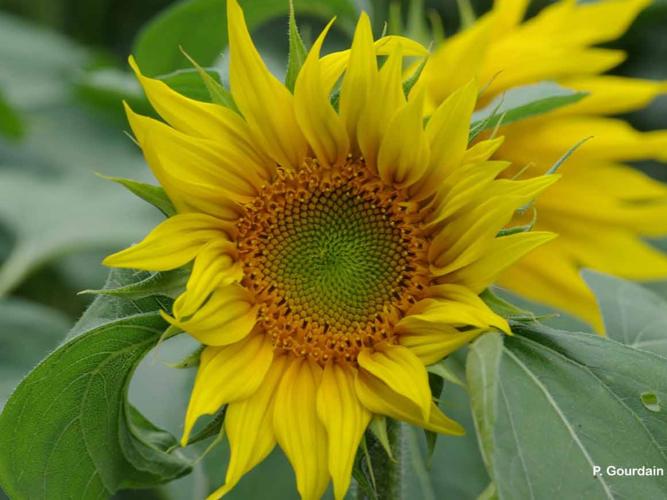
(633, 315)
(69, 428)
(550, 405)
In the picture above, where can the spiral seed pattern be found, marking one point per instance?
(334, 257)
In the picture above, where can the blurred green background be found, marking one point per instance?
(63, 74)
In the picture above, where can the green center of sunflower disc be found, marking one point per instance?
(336, 256)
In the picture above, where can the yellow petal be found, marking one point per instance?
(464, 51)
(187, 194)
(172, 244)
(383, 102)
(402, 371)
(335, 63)
(171, 186)
(614, 179)
(215, 266)
(616, 251)
(555, 43)
(452, 305)
(551, 276)
(397, 164)
(359, 79)
(227, 374)
(345, 420)
(431, 342)
(249, 428)
(524, 61)
(610, 95)
(213, 164)
(508, 14)
(380, 399)
(227, 316)
(543, 141)
(266, 103)
(201, 119)
(466, 238)
(501, 254)
(462, 186)
(447, 129)
(408, 47)
(319, 121)
(482, 151)
(298, 429)
(573, 23)
(584, 200)
(447, 132)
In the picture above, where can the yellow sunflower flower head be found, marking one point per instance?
(601, 209)
(337, 252)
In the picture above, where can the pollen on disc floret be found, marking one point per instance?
(335, 257)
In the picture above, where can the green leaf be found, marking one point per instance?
(579, 396)
(191, 360)
(505, 308)
(166, 284)
(482, 369)
(216, 90)
(190, 82)
(297, 50)
(108, 307)
(212, 428)
(378, 427)
(41, 330)
(11, 124)
(632, 314)
(200, 27)
(443, 370)
(523, 102)
(155, 195)
(79, 420)
(410, 82)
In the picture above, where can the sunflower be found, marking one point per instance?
(602, 209)
(336, 250)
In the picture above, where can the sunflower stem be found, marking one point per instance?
(388, 471)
